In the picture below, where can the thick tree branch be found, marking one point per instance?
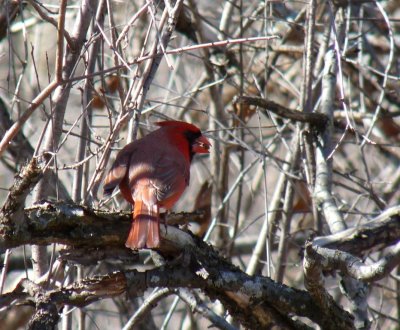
(82, 227)
(78, 226)
(242, 294)
(205, 270)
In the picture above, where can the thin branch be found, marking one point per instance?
(323, 175)
(53, 22)
(147, 306)
(16, 127)
(318, 120)
(197, 306)
(60, 40)
(307, 96)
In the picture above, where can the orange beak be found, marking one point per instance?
(201, 145)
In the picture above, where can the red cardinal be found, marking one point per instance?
(152, 173)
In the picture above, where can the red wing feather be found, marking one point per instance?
(118, 171)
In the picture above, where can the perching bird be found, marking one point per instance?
(152, 173)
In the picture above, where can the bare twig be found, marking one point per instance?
(147, 306)
(53, 22)
(307, 96)
(16, 127)
(197, 306)
(318, 120)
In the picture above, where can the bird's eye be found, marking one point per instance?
(203, 145)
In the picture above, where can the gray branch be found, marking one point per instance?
(251, 298)
(329, 259)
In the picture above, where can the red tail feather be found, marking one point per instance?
(145, 229)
